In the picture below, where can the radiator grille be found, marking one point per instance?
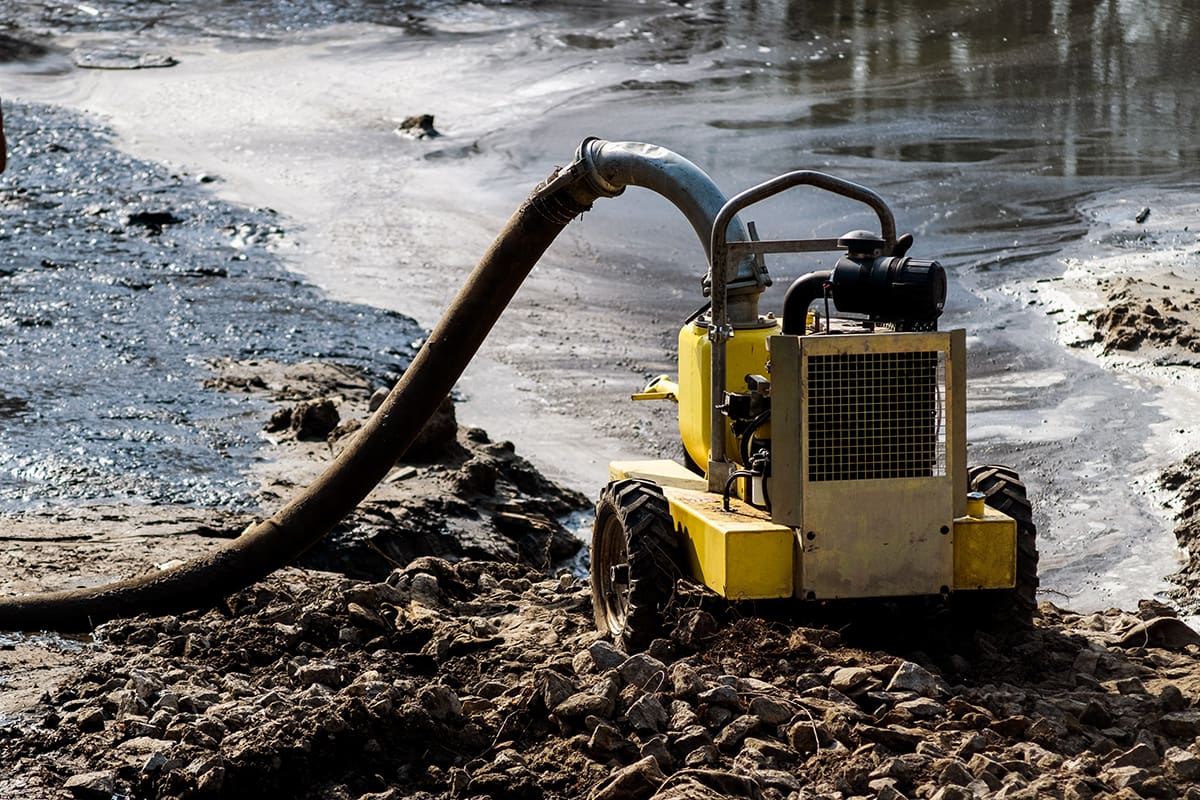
(876, 415)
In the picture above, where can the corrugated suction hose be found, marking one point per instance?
(601, 169)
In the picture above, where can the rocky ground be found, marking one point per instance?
(434, 646)
(485, 679)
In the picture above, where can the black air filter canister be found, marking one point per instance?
(890, 289)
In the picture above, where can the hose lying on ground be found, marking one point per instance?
(270, 544)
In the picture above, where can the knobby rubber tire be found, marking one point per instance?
(635, 562)
(1004, 492)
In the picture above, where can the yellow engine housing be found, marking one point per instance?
(745, 354)
(869, 479)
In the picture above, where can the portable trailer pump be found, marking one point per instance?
(825, 457)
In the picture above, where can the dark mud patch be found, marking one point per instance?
(120, 280)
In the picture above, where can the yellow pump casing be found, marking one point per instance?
(745, 354)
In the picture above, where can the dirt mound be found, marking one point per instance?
(1141, 313)
(481, 679)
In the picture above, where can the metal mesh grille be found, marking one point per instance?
(876, 415)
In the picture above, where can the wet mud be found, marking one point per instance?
(1184, 480)
(121, 282)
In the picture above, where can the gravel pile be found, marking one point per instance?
(482, 679)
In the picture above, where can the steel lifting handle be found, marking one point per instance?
(804, 177)
(719, 246)
(719, 331)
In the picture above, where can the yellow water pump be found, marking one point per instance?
(824, 450)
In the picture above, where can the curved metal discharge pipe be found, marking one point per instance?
(603, 170)
(615, 165)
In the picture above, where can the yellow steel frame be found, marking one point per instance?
(741, 554)
(985, 551)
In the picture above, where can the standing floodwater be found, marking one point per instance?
(993, 132)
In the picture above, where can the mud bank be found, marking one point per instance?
(1131, 305)
(456, 494)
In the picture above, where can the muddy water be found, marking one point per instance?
(987, 129)
(121, 282)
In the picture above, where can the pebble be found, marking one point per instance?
(647, 714)
(911, 677)
(637, 781)
(553, 687)
(644, 671)
(99, 785)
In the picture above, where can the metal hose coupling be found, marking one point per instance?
(563, 196)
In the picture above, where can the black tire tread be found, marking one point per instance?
(641, 510)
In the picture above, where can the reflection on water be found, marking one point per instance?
(1069, 87)
(1080, 88)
